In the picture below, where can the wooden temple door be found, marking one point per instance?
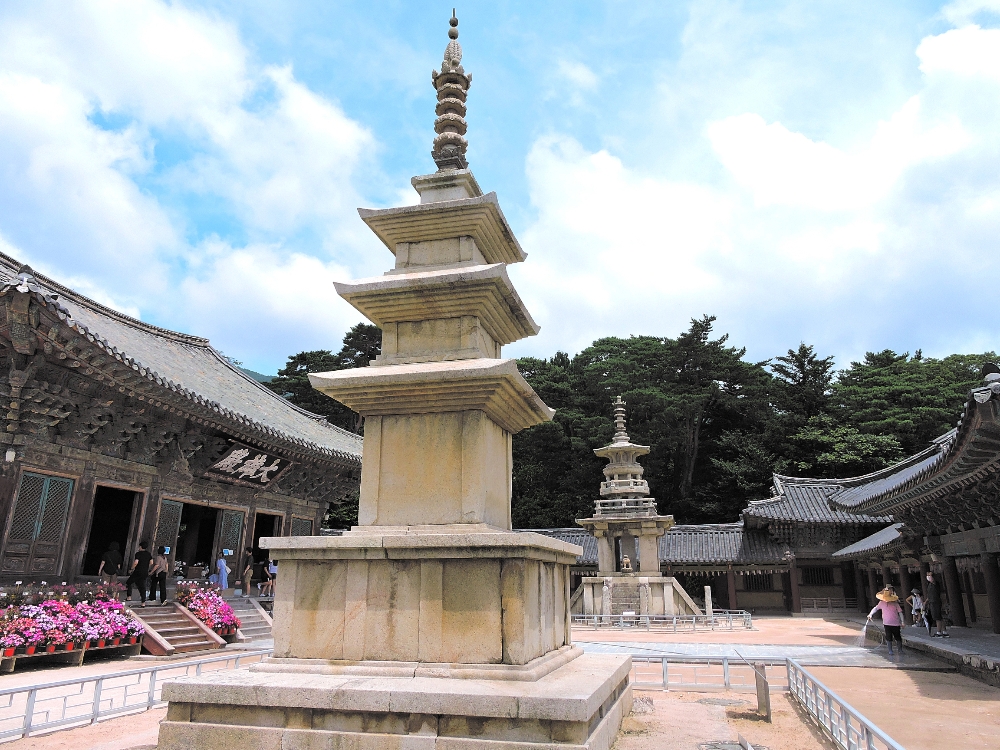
(230, 536)
(35, 540)
(168, 527)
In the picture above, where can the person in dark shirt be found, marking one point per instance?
(111, 564)
(139, 573)
(934, 607)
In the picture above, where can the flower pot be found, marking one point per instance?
(85, 645)
(50, 649)
(8, 652)
(100, 643)
(116, 641)
(70, 646)
(131, 640)
(29, 650)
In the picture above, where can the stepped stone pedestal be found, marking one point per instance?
(430, 624)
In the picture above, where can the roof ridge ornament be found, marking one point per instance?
(452, 85)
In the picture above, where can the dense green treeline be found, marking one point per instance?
(718, 425)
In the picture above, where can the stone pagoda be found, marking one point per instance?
(623, 515)
(431, 624)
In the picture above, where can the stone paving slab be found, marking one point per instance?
(806, 655)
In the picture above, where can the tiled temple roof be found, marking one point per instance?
(806, 501)
(187, 368)
(573, 536)
(884, 540)
(707, 544)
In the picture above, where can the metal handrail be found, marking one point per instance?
(33, 709)
(705, 673)
(849, 729)
(721, 619)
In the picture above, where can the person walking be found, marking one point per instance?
(270, 573)
(892, 616)
(158, 575)
(111, 564)
(139, 573)
(916, 602)
(933, 609)
(246, 573)
(223, 572)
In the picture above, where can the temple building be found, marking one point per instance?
(944, 501)
(120, 431)
(827, 545)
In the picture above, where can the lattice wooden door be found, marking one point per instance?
(232, 532)
(34, 542)
(301, 526)
(168, 526)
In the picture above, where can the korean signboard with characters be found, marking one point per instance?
(247, 466)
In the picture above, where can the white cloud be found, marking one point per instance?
(852, 246)
(261, 294)
(968, 52)
(89, 93)
(577, 74)
(786, 168)
(963, 12)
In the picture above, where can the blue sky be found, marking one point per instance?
(826, 172)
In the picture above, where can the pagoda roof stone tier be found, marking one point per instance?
(494, 386)
(483, 291)
(478, 217)
(608, 450)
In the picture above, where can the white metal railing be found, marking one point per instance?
(720, 619)
(849, 729)
(828, 604)
(705, 674)
(36, 709)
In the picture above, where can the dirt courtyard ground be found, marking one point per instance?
(689, 721)
(921, 710)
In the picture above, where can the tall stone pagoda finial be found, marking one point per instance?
(620, 435)
(452, 85)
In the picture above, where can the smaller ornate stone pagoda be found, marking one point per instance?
(623, 515)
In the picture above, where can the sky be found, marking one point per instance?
(819, 172)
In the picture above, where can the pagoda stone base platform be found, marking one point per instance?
(643, 595)
(578, 706)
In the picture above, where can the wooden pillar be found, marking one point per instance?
(954, 592)
(905, 583)
(731, 583)
(925, 568)
(78, 524)
(793, 574)
(970, 589)
(992, 574)
(872, 587)
(886, 574)
(859, 587)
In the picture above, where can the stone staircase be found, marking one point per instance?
(254, 627)
(175, 629)
(624, 598)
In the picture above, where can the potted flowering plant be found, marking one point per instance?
(206, 603)
(77, 615)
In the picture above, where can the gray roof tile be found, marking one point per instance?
(881, 541)
(807, 501)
